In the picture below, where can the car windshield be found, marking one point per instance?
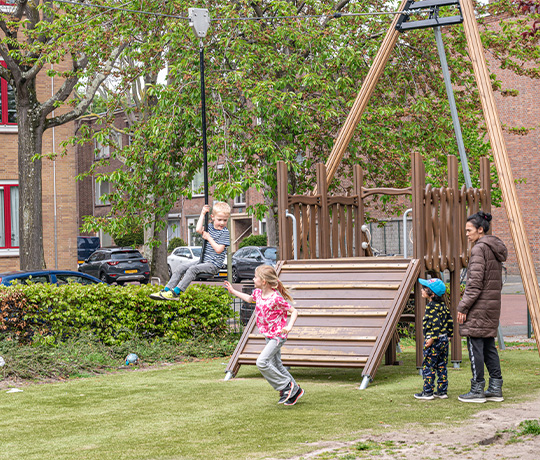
(123, 255)
(196, 252)
(270, 253)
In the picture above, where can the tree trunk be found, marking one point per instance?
(30, 185)
(157, 255)
(271, 218)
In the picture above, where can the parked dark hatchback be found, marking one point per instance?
(117, 264)
(47, 276)
(247, 259)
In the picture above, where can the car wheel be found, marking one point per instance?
(235, 276)
(145, 281)
(103, 277)
(120, 283)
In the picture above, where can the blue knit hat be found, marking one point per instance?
(435, 284)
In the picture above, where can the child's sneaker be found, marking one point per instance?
(156, 295)
(285, 393)
(424, 395)
(169, 295)
(440, 395)
(295, 397)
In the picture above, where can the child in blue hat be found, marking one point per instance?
(438, 327)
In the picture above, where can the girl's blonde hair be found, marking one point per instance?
(268, 273)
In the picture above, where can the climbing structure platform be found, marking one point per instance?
(348, 310)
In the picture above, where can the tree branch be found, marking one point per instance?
(85, 102)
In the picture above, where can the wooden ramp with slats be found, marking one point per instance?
(348, 310)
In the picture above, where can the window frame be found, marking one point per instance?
(5, 190)
(4, 108)
(98, 187)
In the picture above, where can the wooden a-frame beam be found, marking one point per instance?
(498, 145)
(502, 163)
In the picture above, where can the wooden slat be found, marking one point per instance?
(342, 313)
(313, 337)
(312, 286)
(313, 359)
(311, 266)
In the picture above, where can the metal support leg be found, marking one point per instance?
(228, 376)
(365, 382)
(500, 338)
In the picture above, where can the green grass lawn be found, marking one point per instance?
(187, 411)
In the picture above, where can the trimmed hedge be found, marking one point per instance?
(111, 313)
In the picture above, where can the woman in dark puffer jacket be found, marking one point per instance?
(480, 308)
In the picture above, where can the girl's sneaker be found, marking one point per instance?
(295, 397)
(285, 393)
(440, 395)
(424, 395)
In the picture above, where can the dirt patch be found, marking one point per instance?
(490, 434)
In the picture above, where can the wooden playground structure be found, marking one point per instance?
(350, 303)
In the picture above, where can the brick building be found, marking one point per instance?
(521, 111)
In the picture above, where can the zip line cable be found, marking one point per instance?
(254, 18)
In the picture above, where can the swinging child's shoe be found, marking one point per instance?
(295, 397)
(285, 393)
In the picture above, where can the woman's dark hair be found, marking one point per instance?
(480, 219)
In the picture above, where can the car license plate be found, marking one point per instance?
(222, 275)
(130, 271)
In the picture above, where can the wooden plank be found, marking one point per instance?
(313, 359)
(342, 313)
(312, 266)
(359, 285)
(504, 170)
(306, 337)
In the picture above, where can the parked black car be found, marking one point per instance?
(47, 276)
(247, 259)
(117, 264)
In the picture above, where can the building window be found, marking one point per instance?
(8, 105)
(102, 189)
(9, 216)
(197, 184)
(262, 227)
(173, 228)
(240, 200)
(101, 150)
(106, 240)
(193, 237)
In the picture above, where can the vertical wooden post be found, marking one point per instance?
(285, 245)
(502, 163)
(358, 175)
(455, 273)
(418, 190)
(324, 224)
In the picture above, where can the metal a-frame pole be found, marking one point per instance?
(502, 163)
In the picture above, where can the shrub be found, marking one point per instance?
(174, 243)
(112, 314)
(254, 240)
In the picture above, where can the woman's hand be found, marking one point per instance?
(461, 318)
